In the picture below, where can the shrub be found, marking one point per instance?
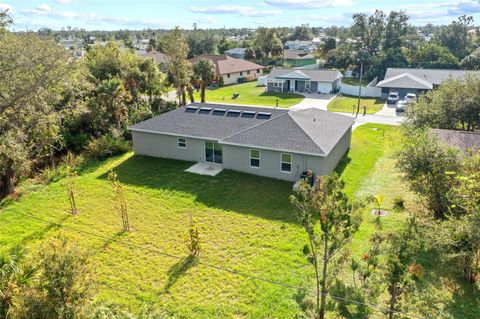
(53, 174)
(220, 81)
(106, 146)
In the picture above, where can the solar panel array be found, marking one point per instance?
(228, 113)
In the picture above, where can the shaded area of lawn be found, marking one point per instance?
(345, 104)
(250, 94)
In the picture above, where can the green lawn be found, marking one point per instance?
(246, 224)
(345, 104)
(355, 81)
(250, 94)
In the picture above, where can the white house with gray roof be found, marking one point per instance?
(303, 80)
(407, 80)
(271, 142)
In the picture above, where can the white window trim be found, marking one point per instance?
(309, 85)
(282, 162)
(178, 143)
(250, 158)
(276, 84)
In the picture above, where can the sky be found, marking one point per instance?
(155, 14)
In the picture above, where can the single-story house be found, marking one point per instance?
(300, 45)
(406, 80)
(304, 80)
(462, 140)
(237, 53)
(271, 142)
(159, 57)
(298, 58)
(232, 70)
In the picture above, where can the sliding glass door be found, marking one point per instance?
(213, 152)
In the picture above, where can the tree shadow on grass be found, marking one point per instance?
(178, 270)
(41, 232)
(232, 191)
(344, 162)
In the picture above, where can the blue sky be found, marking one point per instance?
(140, 14)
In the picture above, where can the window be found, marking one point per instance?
(182, 142)
(255, 158)
(228, 75)
(258, 70)
(248, 72)
(276, 84)
(286, 163)
(241, 73)
(307, 85)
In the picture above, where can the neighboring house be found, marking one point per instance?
(237, 53)
(299, 45)
(304, 80)
(298, 58)
(465, 141)
(71, 43)
(232, 70)
(159, 57)
(405, 80)
(271, 142)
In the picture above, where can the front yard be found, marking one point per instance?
(345, 104)
(250, 94)
(246, 225)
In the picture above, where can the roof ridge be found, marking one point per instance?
(306, 133)
(258, 124)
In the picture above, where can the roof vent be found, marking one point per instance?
(191, 109)
(219, 112)
(233, 113)
(248, 114)
(264, 115)
(205, 110)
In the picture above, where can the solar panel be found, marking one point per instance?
(205, 110)
(233, 113)
(191, 109)
(263, 115)
(248, 114)
(219, 112)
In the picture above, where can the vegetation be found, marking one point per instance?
(251, 94)
(345, 104)
(204, 70)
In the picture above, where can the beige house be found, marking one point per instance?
(232, 69)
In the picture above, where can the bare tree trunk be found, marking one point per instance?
(321, 314)
(7, 181)
(393, 301)
(202, 93)
(184, 97)
(190, 93)
(317, 275)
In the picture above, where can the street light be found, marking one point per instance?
(359, 86)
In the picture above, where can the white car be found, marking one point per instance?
(401, 106)
(410, 97)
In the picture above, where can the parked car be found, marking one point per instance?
(393, 98)
(401, 106)
(410, 97)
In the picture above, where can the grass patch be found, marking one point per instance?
(345, 104)
(250, 94)
(355, 81)
(246, 224)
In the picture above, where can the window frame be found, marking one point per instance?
(184, 143)
(248, 72)
(282, 162)
(254, 158)
(309, 86)
(241, 73)
(228, 75)
(276, 84)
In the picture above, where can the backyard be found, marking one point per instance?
(250, 94)
(246, 226)
(345, 104)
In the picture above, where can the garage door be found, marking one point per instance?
(324, 87)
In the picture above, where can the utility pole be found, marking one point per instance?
(359, 87)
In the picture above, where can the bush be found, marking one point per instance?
(220, 81)
(53, 174)
(76, 142)
(106, 146)
(398, 203)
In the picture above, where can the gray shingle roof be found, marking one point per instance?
(405, 81)
(314, 75)
(433, 76)
(458, 139)
(310, 131)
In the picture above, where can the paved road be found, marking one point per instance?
(376, 118)
(319, 101)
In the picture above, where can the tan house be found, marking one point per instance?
(232, 70)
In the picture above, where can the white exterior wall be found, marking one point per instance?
(234, 76)
(366, 91)
(324, 87)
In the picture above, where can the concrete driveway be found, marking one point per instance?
(319, 101)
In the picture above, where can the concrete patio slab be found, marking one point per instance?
(205, 169)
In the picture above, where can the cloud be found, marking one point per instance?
(308, 4)
(63, 1)
(234, 9)
(205, 20)
(6, 6)
(44, 7)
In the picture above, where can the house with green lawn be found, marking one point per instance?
(303, 80)
(270, 142)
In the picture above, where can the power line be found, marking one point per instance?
(232, 271)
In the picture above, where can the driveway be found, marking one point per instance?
(375, 118)
(319, 101)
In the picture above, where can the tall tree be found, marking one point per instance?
(455, 36)
(369, 29)
(268, 44)
(302, 32)
(326, 208)
(34, 74)
(180, 69)
(395, 30)
(431, 55)
(205, 73)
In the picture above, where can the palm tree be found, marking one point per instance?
(205, 72)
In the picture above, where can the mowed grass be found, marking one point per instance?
(250, 94)
(246, 225)
(344, 103)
